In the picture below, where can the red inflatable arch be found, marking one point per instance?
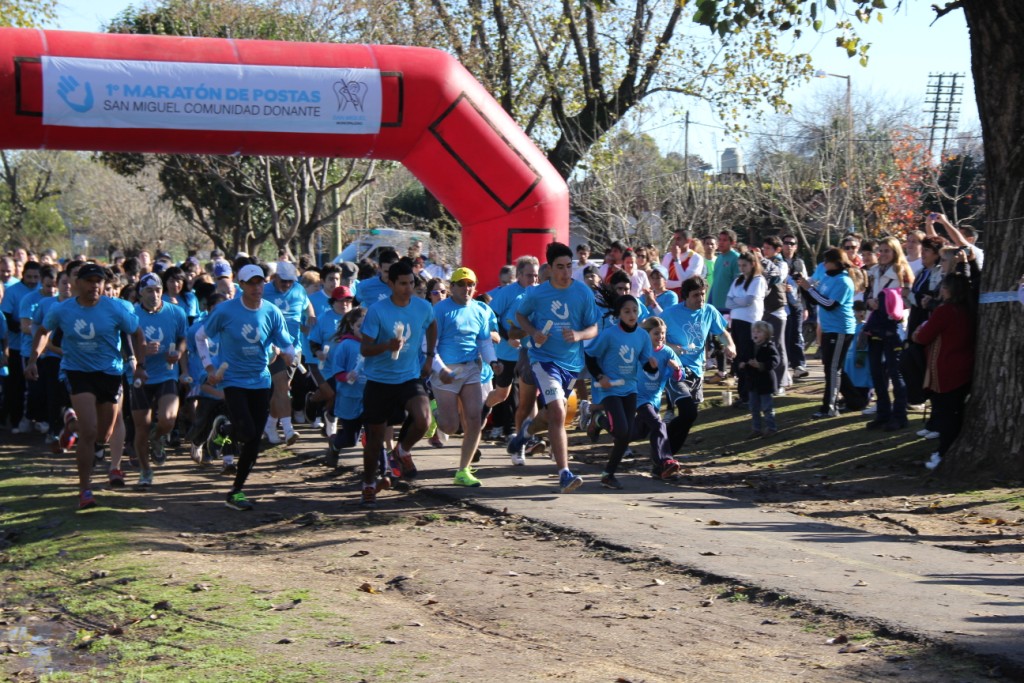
(138, 93)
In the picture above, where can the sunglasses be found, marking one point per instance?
(849, 247)
(438, 292)
(790, 244)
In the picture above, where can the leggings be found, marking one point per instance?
(649, 423)
(56, 393)
(744, 352)
(248, 410)
(884, 356)
(834, 346)
(620, 411)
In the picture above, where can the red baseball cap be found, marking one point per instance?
(341, 292)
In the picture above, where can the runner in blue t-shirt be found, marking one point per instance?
(56, 393)
(378, 288)
(650, 386)
(463, 338)
(558, 316)
(247, 329)
(319, 342)
(284, 292)
(35, 392)
(615, 359)
(163, 328)
(92, 362)
(689, 323)
(344, 369)
(14, 382)
(392, 335)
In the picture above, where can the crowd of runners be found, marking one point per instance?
(118, 363)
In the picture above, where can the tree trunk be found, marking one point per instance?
(992, 442)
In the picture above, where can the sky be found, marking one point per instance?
(905, 48)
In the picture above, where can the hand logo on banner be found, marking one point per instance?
(67, 86)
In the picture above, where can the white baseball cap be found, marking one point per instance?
(249, 272)
(286, 271)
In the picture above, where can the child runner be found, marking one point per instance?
(558, 316)
(614, 360)
(650, 386)
(345, 366)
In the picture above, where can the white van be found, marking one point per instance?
(370, 244)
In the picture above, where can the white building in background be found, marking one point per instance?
(732, 161)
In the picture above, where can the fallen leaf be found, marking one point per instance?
(838, 640)
(860, 582)
(659, 582)
(710, 552)
(287, 605)
(566, 589)
(201, 587)
(707, 602)
(162, 605)
(100, 574)
(995, 521)
(360, 553)
(392, 641)
(285, 641)
(852, 648)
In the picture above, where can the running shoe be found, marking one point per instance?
(24, 426)
(933, 461)
(238, 501)
(195, 451)
(290, 435)
(145, 478)
(536, 445)
(594, 427)
(610, 482)
(477, 456)
(668, 468)
(157, 446)
(174, 438)
(369, 499)
(42, 427)
(272, 438)
(391, 463)
(116, 478)
(68, 437)
(583, 415)
(466, 478)
(333, 454)
(383, 484)
(330, 427)
(218, 437)
(408, 468)
(569, 482)
(86, 500)
(229, 468)
(518, 459)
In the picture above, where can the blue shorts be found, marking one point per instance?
(553, 382)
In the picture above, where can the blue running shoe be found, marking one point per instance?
(569, 482)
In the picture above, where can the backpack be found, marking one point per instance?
(891, 301)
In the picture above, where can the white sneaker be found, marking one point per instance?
(931, 435)
(330, 427)
(583, 415)
(42, 427)
(933, 462)
(272, 436)
(870, 410)
(24, 427)
(299, 417)
(518, 458)
(318, 423)
(290, 435)
(494, 434)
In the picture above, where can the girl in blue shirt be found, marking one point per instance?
(650, 386)
(345, 371)
(614, 360)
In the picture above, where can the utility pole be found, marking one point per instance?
(686, 152)
(944, 94)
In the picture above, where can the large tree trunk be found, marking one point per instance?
(992, 442)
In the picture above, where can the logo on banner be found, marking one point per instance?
(66, 88)
(350, 92)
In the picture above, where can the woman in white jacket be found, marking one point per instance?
(745, 302)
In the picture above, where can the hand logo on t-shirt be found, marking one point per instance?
(557, 306)
(627, 354)
(80, 327)
(248, 330)
(154, 334)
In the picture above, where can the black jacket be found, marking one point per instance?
(763, 379)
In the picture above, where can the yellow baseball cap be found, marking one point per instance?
(464, 274)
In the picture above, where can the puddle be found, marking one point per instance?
(37, 647)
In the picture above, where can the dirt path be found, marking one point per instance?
(310, 588)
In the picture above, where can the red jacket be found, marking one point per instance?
(949, 337)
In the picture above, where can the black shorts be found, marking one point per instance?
(106, 388)
(385, 403)
(523, 369)
(278, 365)
(148, 396)
(507, 375)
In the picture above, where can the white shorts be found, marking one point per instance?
(554, 383)
(486, 388)
(465, 375)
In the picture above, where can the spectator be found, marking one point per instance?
(776, 273)
(746, 305)
(726, 270)
(681, 261)
(833, 294)
(949, 337)
(924, 298)
(914, 244)
(796, 310)
(612, 260)
(581, 262)
(762, 380)
(638, 280)
(893, 274)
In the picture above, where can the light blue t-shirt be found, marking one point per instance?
(187, 301)
(326, 327)
(26, 309)
(459, 328)
(195, 363)
(651, 385)
(504, 304)
(245, 338)
(690, 329)
(37, 320)
(166, 327)
(380, 325)
(373, 290)
(667, 299)
(348, 398)
(620, 355)
(571, 308)
(92, 334)
(321, 302)
(839, 288)
(11, 305)
(292, 303)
